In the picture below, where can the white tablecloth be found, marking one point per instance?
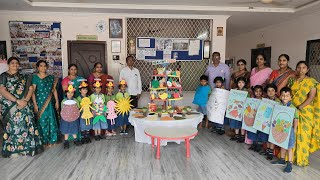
(140, 124)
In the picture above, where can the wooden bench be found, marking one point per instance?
(171, 133)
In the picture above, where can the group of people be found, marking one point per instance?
(284, 85)
(30, 106)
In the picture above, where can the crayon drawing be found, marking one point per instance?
(250, 110)
(235, 104)
(263, 117)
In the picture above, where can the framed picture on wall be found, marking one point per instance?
(115, 28)
(219, 31)
(3, 50)
(116, 46)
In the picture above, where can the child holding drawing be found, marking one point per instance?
(234, 124)
(258, 92)
(271, 90)
(201, 97)
(219, 128)
(285, 97)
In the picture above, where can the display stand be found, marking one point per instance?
(165, 86)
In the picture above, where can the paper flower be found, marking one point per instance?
(71, 88)
(110, 84)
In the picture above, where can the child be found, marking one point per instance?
(69, 126)
(122, 120)
(285, 97)
(271, 90)
(110, 97)
(258, 92)
(241, 84)
(219, 128)
(85, 124)
(201, 97)
(99, 100)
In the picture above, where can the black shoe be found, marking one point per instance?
(258, 148)
(264, 153)
(88, 140)
(125, 132)
(235, 138)
(280, 162)
(122, 132)
(77, 143)
(252, 147)
(221, 132)
(241, 139)
(102, 137)
(288, 169)
(270, 156)
(97, 138)
(66, 145)
(214, 129)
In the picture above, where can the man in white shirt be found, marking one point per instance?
(132, 76)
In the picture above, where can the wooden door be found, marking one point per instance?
(266, 51)
(85, 54)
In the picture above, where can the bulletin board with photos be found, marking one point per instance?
(34, 41)
(180, 49)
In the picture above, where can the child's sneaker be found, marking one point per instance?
(122, 132)
(125, 132)
(288, 169)
(235, 138)
(97, 138)
(241, 139)
(66, 145)
(221, 132)
(270, 156)
(280, 162)
(252, 147)
(77, 143)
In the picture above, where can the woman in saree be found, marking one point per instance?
(73, 77)
(304, 91)
(259, 76)
(242, 72)
(21, 136)
(98, 74)
(44, 98)
(281, 76)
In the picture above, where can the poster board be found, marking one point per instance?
(263, 117)
(217, 105)
(282, 119)
(150, 48)
(235, 104)
(250, 110)
(34, 41)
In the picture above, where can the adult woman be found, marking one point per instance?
(242, 72)
(304, 90)
(21, 135)
(260, 74)
(98, 74)
(281, 76)
(72, 77)
(45, 87)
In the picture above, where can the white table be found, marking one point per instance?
(140, 124)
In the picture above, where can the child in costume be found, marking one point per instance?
(110, 102)
(69, 124)
(201, 97)
(123, 118)
(285, 97)
(234, 124)
(256, 144)
(86, 115)
(99, 110)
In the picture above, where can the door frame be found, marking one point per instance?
(70, 42)
(308, 49)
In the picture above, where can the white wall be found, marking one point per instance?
(289, 37)
(73, 24)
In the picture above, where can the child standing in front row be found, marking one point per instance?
(271, 90)
(99, 113)
(69, 126)
(122, 120)
(85, 124)
(110, 97)
(234, 124)
(219, 128)
(258, 92)
(285, 97)
(201, 97)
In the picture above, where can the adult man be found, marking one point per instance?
(218, 69)
(214, 70)
(132, 76)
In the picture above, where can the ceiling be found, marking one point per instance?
(245, 17)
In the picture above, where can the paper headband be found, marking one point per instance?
(83, 84)
(110, 84)
(97, 84)
(123, 82)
